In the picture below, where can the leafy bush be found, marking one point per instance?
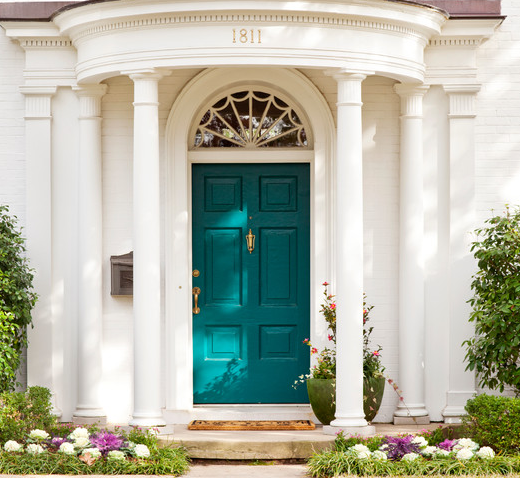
(16, 299)
(494, 352)
(22, 412)
(495, 422)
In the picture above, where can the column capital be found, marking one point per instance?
(411, 99)
(146, 83)
(144, 74)
(411, 89)
(462, 100)
(43, 90)
(90, 90)
(90, 100)
(38, 101)
(462, 89)
(349, 86)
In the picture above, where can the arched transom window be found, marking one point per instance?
(250, 119)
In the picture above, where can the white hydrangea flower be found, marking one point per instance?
(67, 448)
(359, 448)
(486, 452)
(429, 450)
(12, 445)
(379, 455)
(141, 451)
(464, 454)
(441, 452)
(39, 434)
(383, 447)
(81, 442)
(131, 445)
(421, 441)
(94, 452)
(79, 433)
(34, 449)
(467, 443)
(361, 451)
(410, 457)
(116, 455)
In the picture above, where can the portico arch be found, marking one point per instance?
(178, 262)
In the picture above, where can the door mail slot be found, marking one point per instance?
(122, 271)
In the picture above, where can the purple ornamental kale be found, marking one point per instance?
(106, 441)
(56, 441)
(447, 445)
(397, 447)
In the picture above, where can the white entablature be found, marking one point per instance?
(385, 37)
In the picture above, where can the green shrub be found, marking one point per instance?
(495, 422)
(16, 299)
(22, 412)
(494, 352)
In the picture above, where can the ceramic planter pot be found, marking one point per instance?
(322, 397)
(373, 389)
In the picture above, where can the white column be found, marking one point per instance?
(349, 259)
(147, 267)
(462, 223)
(90, 255)
(38, 231)
(411, 259)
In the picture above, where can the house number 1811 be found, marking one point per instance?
(247, 36)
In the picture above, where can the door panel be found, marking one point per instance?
(254, 307)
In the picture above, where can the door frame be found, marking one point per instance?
(177, 341)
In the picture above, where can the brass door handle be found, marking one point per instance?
(196, 291)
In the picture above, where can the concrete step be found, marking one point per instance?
(263, 445)
(249, 445)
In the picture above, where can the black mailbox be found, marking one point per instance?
(122, 270)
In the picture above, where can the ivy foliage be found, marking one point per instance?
(17, 298)
(494, 351)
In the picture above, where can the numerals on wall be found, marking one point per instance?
(247, 36)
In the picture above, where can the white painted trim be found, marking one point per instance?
(233, 155)
(178, 260)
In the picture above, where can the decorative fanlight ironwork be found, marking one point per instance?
(250, 119)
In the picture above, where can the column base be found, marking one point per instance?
(412, 420)
(147, 421)
(99, 420)
(453, 414)
(455, 405)
(364, 431)
(89, 416)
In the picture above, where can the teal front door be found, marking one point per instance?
(253, 306)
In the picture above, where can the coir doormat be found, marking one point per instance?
(251, 425)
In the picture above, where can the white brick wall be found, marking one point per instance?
(381, 107)
(498, 120)
(12, 143)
